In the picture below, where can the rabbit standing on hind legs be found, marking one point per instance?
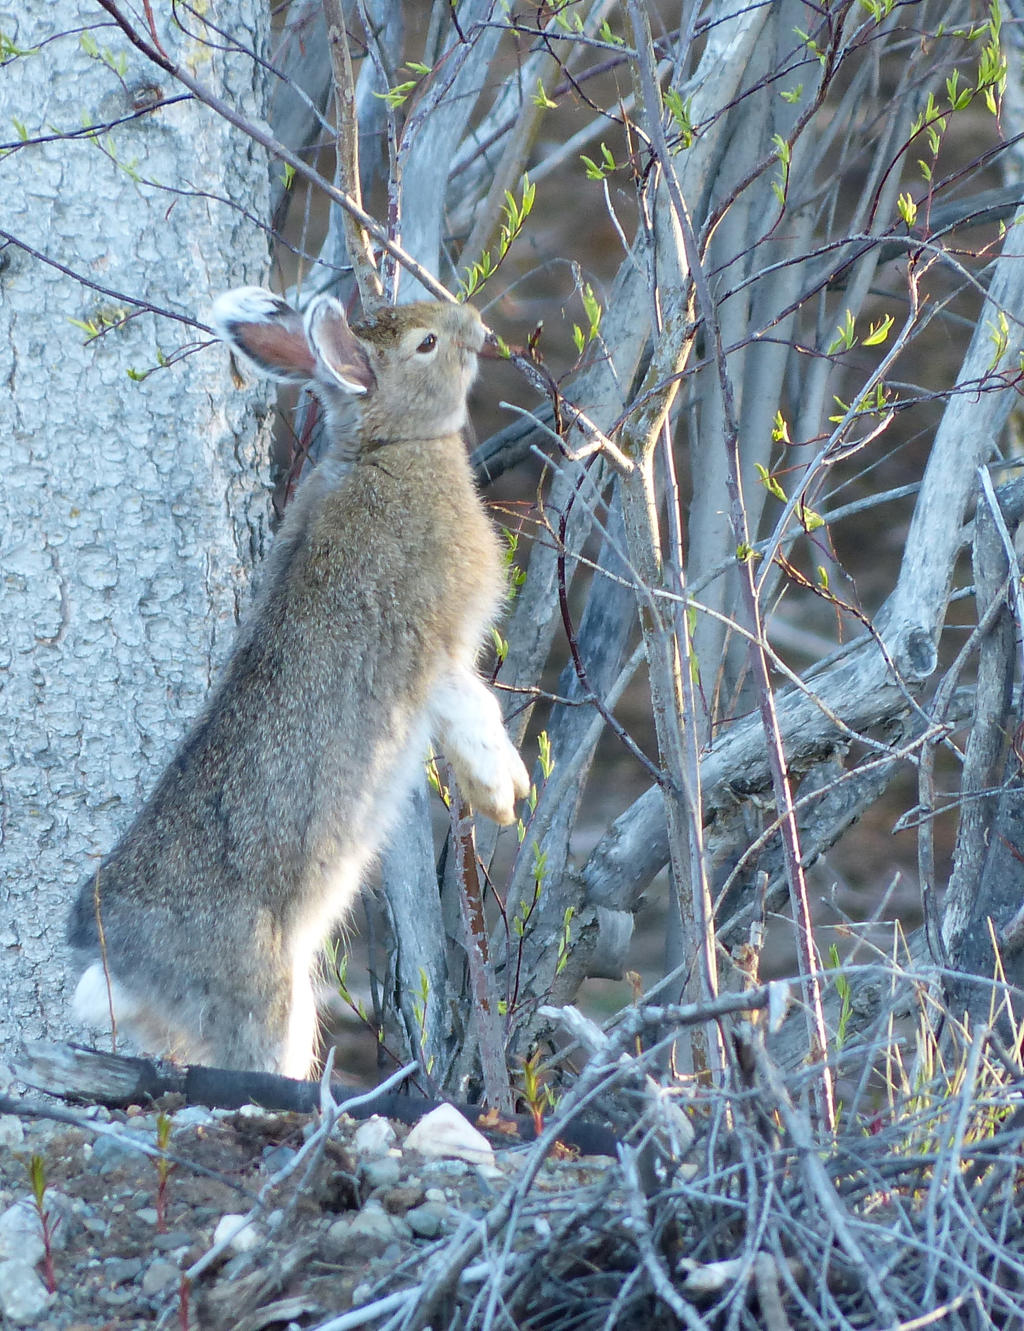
(359, 648)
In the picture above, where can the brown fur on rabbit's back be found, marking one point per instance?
(374, 600)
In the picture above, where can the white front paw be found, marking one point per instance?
(467, 723)
(492, 777)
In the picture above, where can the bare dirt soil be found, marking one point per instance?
(353, 1218)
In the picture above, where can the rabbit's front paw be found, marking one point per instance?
(492, 777)
(466, 720)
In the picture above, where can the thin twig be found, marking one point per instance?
(357, 241)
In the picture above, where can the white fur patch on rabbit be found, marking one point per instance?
(466, 722)
(375, 599)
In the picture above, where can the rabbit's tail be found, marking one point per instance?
(99, 997)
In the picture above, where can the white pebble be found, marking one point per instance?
(374, 1137)
(11, 1132)
(23, 1296)
(446, 1132)
(242, 1236)
(21, 1235)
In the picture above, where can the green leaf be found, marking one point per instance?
(597, 171)
(8, 50)
(500, 645)
(592, 309)
(680, 113)
(769, 482)
(398, 95)
(999, 336)
(37, 1178)
(87, 326)
(808, 519)
(605, 34)
(877, 333)
(845, 337)
(843, 409)
(547, 762)
(907, 209)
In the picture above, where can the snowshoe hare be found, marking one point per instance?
(358, 650)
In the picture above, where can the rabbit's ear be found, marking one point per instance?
(338, 349)
(265, 330)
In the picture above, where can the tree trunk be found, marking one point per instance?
(132, 507)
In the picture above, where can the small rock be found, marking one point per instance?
(119, 1269)
(177, 1238)
(235, 1267)
(435, 1195)
(449, 1169)
(339, 1233)
(256, 1113)
(374, 1137)
(21, 1234)
(147, 1214)
(243, 1235)
(276, 1157)
(160, 1275)
(381, 1171)
(428, 1220)
(23, 1296)
(446, 1132)
(98, 1113)
(400, 1200)
(12, 1134)
(192, 1116)
(117, 1298)
(374, 1223)
(110, 1153)
(21, 1238)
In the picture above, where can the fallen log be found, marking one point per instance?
(73, 1072)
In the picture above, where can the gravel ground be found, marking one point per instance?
(336, 1220)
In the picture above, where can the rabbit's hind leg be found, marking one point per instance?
(300, 1039)
(103, 1003)
(466, 722)
(266, 1022)
(269, 1030)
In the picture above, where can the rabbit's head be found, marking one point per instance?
(410, 365)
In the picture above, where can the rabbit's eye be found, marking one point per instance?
(428, 343)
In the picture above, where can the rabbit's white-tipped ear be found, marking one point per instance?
(264, 329)
(338, 349)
